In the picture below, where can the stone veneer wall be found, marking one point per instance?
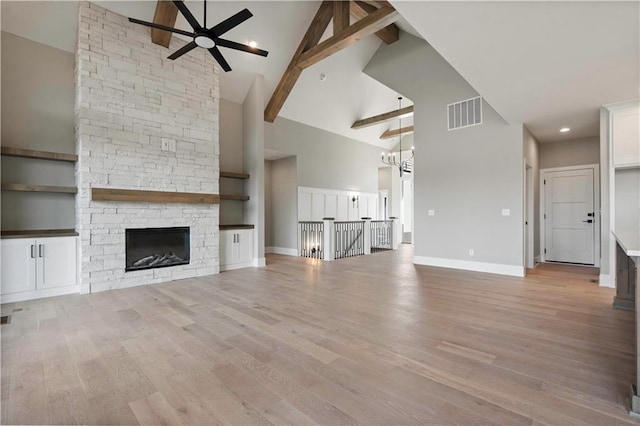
(129, 99)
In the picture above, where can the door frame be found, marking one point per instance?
(596, 208)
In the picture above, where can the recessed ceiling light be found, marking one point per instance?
(564, 130)
(253, 44)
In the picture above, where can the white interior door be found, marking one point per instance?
(569, 216)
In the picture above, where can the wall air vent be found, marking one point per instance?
(465, 113)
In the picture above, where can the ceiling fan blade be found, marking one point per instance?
(218, 57)
(230, 23)
(187, 15)
(243, 47)
(184, 49)
(161, 27)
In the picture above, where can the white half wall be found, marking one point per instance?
(317, 203)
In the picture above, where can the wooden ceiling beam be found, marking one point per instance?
(341, 16)
(166, 14)
(317, 27)
(393, 133)
(381, 118)
(359, 10)
(368, 25)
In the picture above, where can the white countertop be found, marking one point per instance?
(629, 240)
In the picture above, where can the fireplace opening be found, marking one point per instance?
(156, 247)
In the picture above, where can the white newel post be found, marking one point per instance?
(367, 235)
(395, 234)
(329, 243)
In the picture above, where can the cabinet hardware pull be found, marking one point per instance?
(40, 250)
(33, 253)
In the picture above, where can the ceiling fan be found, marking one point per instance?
(209, 38)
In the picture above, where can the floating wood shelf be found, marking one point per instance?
(233, 175)
(237, 226)
(45, 155)
(113, 194)
(39, 233)
(38, 188)
(237, 197)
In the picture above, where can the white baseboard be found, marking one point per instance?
(259, 261)
(281, 250)
(40, 294)
(606, 280)
(536, 260)
(233, 266)
(491, 268)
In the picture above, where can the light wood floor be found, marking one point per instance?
(371, 340)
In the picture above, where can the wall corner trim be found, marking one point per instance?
(491, 268)
(259, 261)
(606, 280)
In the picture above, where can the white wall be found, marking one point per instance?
(467, 176)
(283, 218)
(268, 205)
(574, 152)
(253, 154)
(325, 159)
(531, 149)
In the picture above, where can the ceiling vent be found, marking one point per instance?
(465, 113)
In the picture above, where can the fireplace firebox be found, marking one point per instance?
(156, 247)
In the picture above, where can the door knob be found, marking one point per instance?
(588, 221)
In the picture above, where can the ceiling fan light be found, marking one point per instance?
(204, 41)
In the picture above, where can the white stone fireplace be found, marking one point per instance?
(143, 122)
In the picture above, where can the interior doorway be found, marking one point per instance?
(570, 220)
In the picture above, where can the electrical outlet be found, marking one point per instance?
(165, 144)
(506, 212)
(172, 145)
(431, 212)
(471, 253)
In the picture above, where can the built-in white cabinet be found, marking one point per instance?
(625, 136)
(35, 268)
(236, 249)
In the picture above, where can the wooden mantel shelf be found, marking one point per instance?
(135, 195)
(30, 153)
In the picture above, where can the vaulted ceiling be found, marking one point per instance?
(546, 64)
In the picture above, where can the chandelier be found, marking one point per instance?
(390, 159)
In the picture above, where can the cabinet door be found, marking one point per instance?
(626, 137)
(56, 262)
(226, 247)
(245, 245)
(18, 265)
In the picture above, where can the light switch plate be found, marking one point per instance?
(165, 144)
(506, 212)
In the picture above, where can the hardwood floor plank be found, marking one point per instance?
(365, 340)
(154, 410)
